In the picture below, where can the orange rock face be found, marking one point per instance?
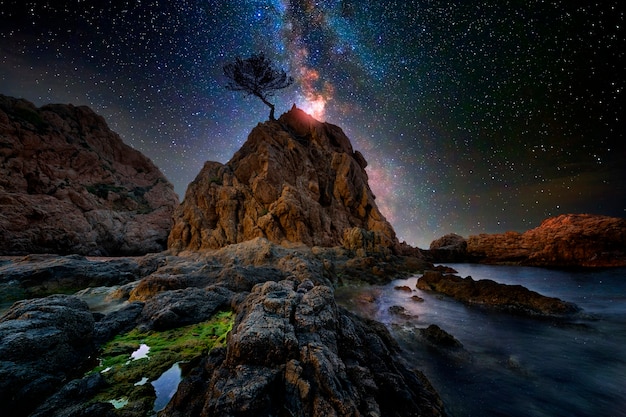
(68, 184)
(294, 180)
(567, 240)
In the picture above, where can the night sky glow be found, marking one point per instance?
(475, 116)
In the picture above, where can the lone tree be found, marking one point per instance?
(256, 75)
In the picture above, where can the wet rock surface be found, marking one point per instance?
(43, 342)
(291, 350)
(488, 293)
(294, 352)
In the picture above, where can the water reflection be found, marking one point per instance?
(512, 365)
(140, 353)
(166, 386)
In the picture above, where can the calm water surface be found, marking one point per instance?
(512, 365)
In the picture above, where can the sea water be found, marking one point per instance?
(513, 365)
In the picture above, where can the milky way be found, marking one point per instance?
(474, 116)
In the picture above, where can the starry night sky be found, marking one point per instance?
(475, 116)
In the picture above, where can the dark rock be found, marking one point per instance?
(440, 337)
(448, 248)
(399, 311)
(73, 400)
(513, 298)
(41, 275)
(68, 184)
(404, 288)
(171, 309)
(117, 322)
(291, 348)
(42, 342)
(444, 269)
(293, 353)
(451, 242)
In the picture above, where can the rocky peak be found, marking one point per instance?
(294, 180)
(68, 184)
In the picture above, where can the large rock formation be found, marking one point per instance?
(68, 184)
(448, 248)
(294, 180)
(567, 240)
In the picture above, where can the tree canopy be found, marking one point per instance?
(257, 76)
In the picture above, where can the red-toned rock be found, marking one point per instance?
(68, 184)
(294, 180)
(567, 240)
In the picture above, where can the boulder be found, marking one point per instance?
(294, 180)
(43, 342)
(488, 293)
(68, 184)
(569, 240)
(439, 337)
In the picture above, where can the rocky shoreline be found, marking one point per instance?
(292, 349)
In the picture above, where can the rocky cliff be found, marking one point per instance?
(568, 240)
(68, 184)
(294, 180)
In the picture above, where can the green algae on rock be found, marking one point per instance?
(126, 376)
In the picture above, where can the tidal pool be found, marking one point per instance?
(140, 353)
(166, 386)
(142, 368)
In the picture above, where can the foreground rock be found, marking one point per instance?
(45, 274)
(294, 180)
(569, 240)
(68, 184)
(291, 350)
(485, 292)
(43, 342)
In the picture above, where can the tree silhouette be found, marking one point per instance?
(256, 75)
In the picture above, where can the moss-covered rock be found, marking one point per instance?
(128, 377)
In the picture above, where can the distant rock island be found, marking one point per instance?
(568, 240)
(69, 185)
